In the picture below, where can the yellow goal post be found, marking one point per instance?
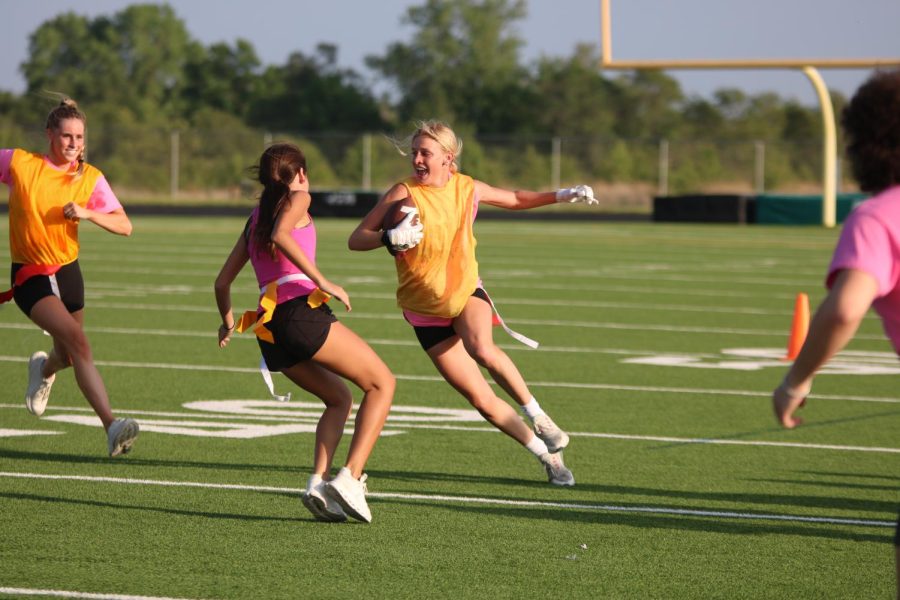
(808, 66)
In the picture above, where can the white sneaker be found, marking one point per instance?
(38, 386)
(555, 438)
(350, 493)
(557, 473)
(319, 503)
(121, 436)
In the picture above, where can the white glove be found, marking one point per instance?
(579, 193)
(405, 235)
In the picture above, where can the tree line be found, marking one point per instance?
(140, 76)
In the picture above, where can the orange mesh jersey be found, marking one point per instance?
(437, 276)
(39, 234)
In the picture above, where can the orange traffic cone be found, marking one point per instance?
(799, 327)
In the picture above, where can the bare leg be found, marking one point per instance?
(332, 390)
(57, 359)
(71, 346)
(462, 372)
(474, 328)
(346, 354)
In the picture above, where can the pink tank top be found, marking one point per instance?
(268, 270)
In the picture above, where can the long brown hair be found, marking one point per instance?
(278, 166)
(68, 109)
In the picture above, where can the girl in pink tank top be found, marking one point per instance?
(268, 269)
(299, 336)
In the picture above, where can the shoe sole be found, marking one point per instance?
(558, 479)
(125, 440)
(320, 511)
(29, 404)
(568, 483)
(337, 497)
(31, 409)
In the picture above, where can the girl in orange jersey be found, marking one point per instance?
(49, 194)
(441, 293)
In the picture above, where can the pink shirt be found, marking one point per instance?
(870, 242)
(102, 199)
(268, 270)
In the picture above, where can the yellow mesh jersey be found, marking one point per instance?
(437, 277)
(39, 234)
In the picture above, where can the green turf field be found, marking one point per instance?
(660, 345)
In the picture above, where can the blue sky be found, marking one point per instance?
(641, 29)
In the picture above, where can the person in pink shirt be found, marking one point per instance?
(865, 268)
(49, 195)
(299, 335)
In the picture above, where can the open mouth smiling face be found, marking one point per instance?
(430, 162)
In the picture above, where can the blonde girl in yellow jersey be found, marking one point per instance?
(441, 293)
(49, 195)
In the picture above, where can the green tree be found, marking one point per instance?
(221, 77)
(700, 117)
(71, 54)
(135, 58)
(462, 65)
(572, 98)
(312, 95)
(647, 104)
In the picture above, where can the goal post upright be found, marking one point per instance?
(809, 68)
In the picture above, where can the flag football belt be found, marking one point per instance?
(24, 274)
(268, 302)
(498, 320)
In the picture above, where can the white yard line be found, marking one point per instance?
(536, 322)
(438, 379)
(15, 591)
(210, 419)
(469, 500)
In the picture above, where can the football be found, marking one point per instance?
(394, 214)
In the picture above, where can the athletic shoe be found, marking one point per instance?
(320, 504)
(38, 386)
(557, 473)
(121, 436)
(555, 438)
(350, 493)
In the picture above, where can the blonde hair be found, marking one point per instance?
(441, 133)
(68, 109)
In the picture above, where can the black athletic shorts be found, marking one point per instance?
(431, 336)
(66, 284)
(299, 332)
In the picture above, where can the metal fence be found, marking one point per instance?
(202, 164)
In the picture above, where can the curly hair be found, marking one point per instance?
(278, 166)
(871, 122)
